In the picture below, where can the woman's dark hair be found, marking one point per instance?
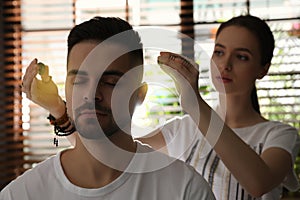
(265, 37)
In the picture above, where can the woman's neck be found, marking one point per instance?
(237, 111)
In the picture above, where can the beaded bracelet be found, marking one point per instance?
(59, 130)
(60, 121)
(64, 131)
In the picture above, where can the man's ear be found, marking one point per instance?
(141, 93)
(264, 71)
(138, 97)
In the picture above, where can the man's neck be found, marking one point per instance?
(89, 167)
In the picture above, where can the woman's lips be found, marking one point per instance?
(224, 79)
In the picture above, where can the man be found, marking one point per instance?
(103, 86)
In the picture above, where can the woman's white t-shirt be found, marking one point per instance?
(184, 141)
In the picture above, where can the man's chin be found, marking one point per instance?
(96, 133)
(91, 128)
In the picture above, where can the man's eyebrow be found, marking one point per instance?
(238, 49)
(113, 73)
(105, 73)
(76, 72)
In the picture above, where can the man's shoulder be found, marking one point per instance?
(41, 171)
(33, 181)
(162, 163)
(161, 170)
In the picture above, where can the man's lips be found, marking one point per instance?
(91, 113)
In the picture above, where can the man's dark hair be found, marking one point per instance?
(102, 28)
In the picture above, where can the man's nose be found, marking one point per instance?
(93, 95)
(98, 95)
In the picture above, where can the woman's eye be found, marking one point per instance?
(218, 52)
(242, 57)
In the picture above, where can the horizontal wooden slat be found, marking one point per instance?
(43, 35)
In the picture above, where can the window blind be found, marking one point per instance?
(33, 28)
(45, 28)
(11, 145)
(29, 29)
(279, 91)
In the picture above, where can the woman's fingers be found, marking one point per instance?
(183, 65)
(182, 68)
(185, 75)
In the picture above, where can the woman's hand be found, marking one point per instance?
(185, 74)
(42, 92)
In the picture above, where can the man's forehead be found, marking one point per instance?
(86, 73)
(121, 64)
(92, 59)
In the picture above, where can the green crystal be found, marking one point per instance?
(42, 68)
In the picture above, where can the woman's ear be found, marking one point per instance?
(264, 71)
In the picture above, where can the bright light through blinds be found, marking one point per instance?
(161, 102)
(45, 25)
(88, 9)
(153, 12)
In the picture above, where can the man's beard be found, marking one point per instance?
(91, 128)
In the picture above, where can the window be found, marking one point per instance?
(33, 28)
(11, 137)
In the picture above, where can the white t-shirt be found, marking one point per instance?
(185, 142)
(47, 181)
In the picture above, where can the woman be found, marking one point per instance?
(241, 154)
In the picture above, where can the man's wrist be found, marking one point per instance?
(62, 125)
(58, 110)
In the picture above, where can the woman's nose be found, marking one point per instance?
(225, 64)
